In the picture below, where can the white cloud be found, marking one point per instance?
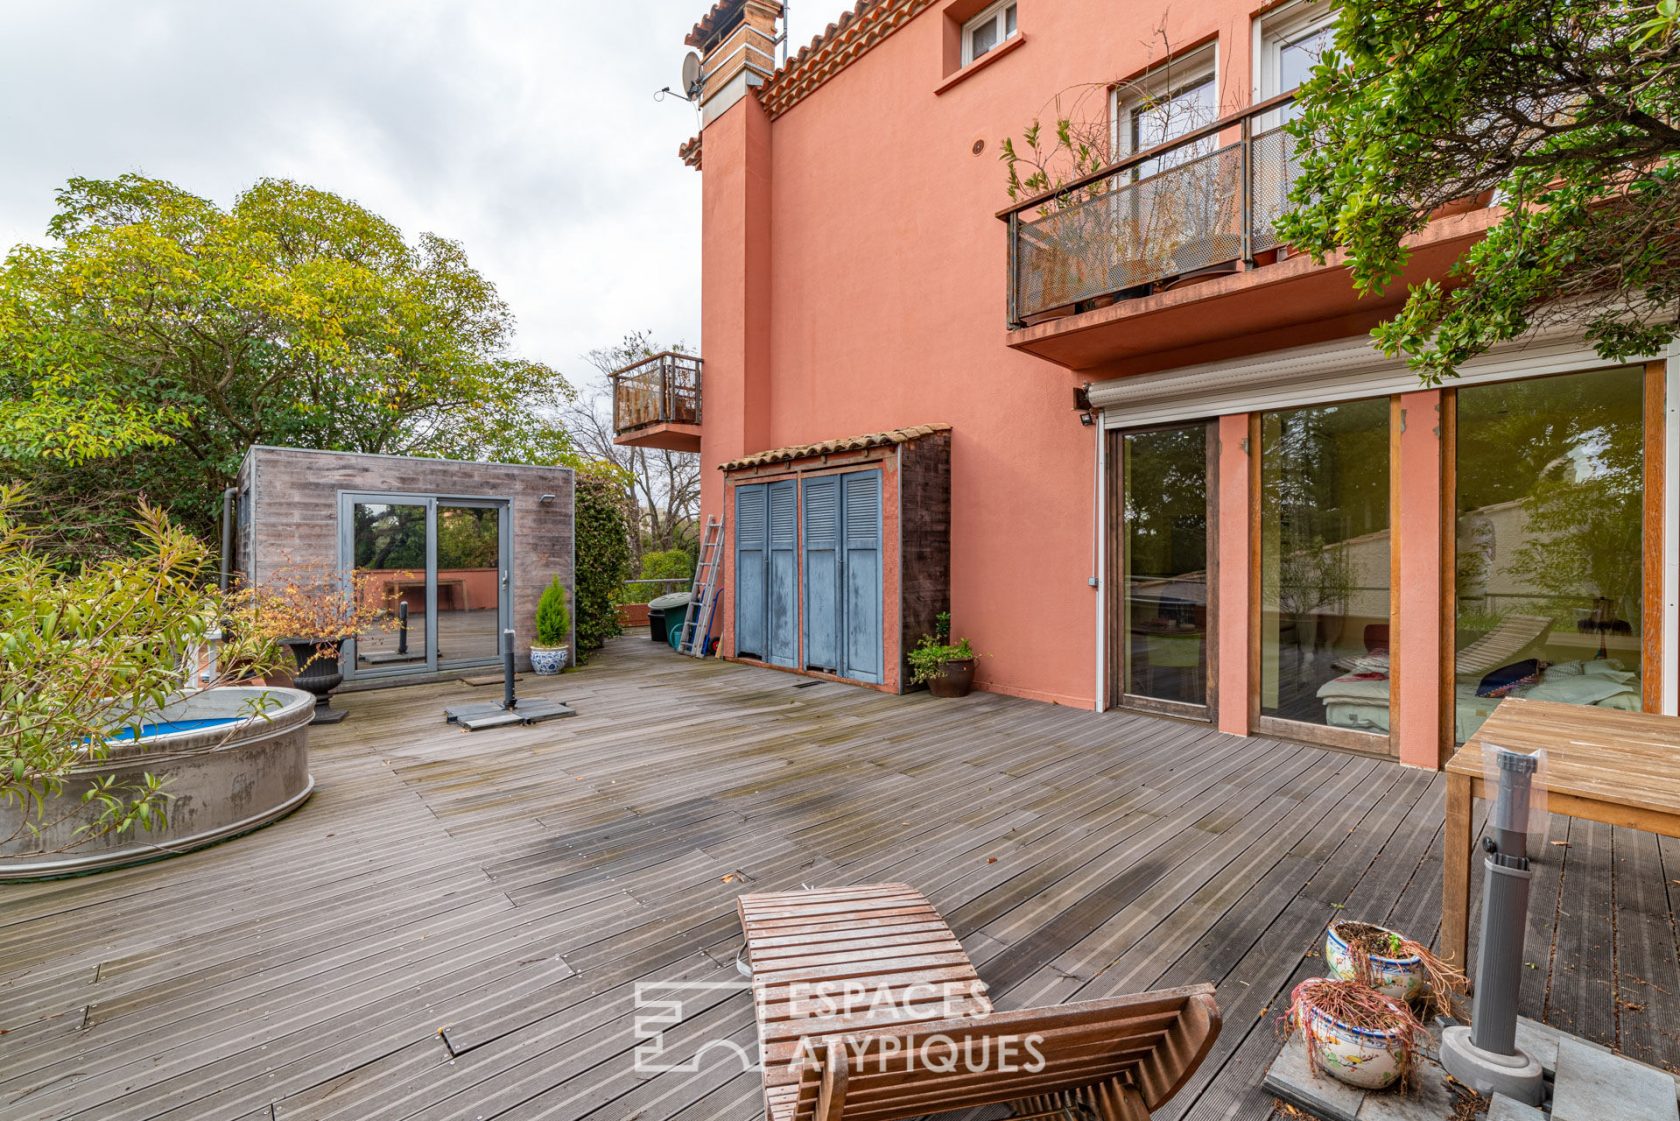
(526, 129)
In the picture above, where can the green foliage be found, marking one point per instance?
(928, 659)
(1567, 111)
(160, 335)
(86, 654)
(554, 618)
(603, 556)
(668, 564)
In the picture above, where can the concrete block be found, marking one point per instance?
(1292, 1078)
(1509, 1109)
(1595, 1085)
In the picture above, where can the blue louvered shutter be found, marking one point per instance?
(751, 533)
(861, 576)
(822, 573)
(783, 588)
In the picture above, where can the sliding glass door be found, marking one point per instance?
(1551, 541)
(438, 567)
(1324, 582)
(1165, 591)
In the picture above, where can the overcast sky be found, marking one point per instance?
(526, 129)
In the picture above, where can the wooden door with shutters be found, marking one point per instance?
(751, 551)
(782, 576)
(842, 542)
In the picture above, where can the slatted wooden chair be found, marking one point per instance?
(870, 1010)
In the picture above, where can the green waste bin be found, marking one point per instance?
(665, 613)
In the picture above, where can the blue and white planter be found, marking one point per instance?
(1371, 1060)
(1400, 978)
(546, 661)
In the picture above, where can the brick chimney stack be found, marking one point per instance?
(737, 45)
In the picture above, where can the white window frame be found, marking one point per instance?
(1278, 28)
(1168, 78)
(996, 15)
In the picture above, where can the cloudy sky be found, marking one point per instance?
(526, 129)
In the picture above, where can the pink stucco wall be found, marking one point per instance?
(884, 304)
(1419, 645)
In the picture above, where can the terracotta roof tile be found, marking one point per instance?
(689, 152)
(829, 447)
(858, 30)
(722, 11)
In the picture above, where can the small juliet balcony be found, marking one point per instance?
(1172, 251)
(656, 403)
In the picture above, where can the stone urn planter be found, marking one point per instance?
(318, 673)
(954, 679)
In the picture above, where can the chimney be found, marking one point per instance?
(737, 45)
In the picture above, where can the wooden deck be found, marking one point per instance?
(455, 924)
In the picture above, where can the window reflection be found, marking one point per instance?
(1324, 565)
(1549, 542)
(1164, 474)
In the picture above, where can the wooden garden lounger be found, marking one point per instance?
(869, 1010)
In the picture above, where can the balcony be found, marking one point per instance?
(1169, 255)
(656, 403)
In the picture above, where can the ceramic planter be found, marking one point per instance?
(318, 673)
(1371, 1060)
(546, 661)
(954, 679)
(1401, 978)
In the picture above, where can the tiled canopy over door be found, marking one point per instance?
(861, 568)
(783, 583)
(751, 549)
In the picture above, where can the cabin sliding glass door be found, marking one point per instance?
(438, 570)
(1165, 592)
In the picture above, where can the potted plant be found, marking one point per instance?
(947, 669)
(554, 631)
(310, 610)
(1354, 1033)
(1391, 964)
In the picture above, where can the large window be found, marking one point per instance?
(1550, 533)
(1324, 566)
(1164, 479)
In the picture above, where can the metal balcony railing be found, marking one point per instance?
(1199, 203)
(663, 389)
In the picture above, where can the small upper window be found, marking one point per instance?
(1291, 40)
(986, 31)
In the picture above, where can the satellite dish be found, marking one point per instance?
(691, 76)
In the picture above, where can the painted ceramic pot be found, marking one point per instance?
(1371, 1060)
(1402, 978)
(546, 661)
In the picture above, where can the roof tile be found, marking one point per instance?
(829, 447)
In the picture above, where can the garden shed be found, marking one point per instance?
(840, 553)
(459, 550)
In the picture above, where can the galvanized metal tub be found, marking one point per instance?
(222, 781)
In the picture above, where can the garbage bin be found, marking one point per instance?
(665, 612)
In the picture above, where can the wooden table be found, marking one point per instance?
(1602, 764)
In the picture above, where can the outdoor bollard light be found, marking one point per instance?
(402, 626)
(1485, 1055)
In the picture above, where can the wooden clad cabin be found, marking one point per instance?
(460, 550)
(841, 553)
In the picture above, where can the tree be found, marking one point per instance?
(1567, 111)
(160, 335)
(603, 555)
(661, 488)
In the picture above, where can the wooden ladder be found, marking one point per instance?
(697, 624)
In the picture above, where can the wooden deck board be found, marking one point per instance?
(456, 925)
